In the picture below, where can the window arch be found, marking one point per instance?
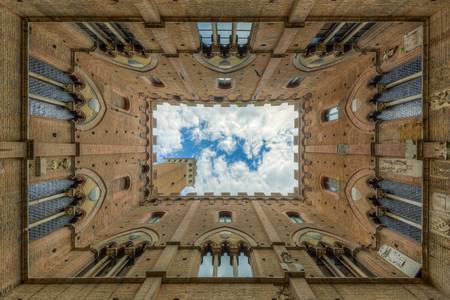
(121, 102)
(225, 252)
(295, 81)
(155, 217)
(331, 114)
(225, 217)
(224, 83)
(116, 256)
(156, 81)
(225, 260)
(335, 257)
(295, 217)
(122, 184)
(330, 184)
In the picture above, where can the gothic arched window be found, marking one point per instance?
(224, 82)
(294, 81)
(295, 217)
(122, 184)
(225, 253)
(331, 114)
(330, 184)
(225, 260)
(334, 257)
(155, 217)
(121, 102)
(156, 81)
(225, 217)
(116, 256)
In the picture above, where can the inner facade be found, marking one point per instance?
(99, 164)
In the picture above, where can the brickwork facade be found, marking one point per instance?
(364, 185)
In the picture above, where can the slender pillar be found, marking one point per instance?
(352, 267)
(98, 267)
(331, 266)
(216, 251)
(118, 266)
(234, 253)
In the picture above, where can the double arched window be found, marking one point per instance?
(156, 81)
(295, 217)
(224, 83)
(225, 252)
(116, 256)
(225, 260)
(155, 217)
(330, 114)
(122, 184)
(334, 257)
(294, 81)
(225, 217)
(330, 184)
(120, 102)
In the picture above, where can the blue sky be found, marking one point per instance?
(238, 149)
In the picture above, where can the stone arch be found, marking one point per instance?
(225, 233)
(357, 106)
(91, 105)
(137, 62)
(93, 190)
(310, 63)
(308, 234)
(136, 235)
(356, 201)
(233, 63)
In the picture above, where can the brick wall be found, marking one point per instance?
(10, 169)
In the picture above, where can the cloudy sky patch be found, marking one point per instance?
(238, 149)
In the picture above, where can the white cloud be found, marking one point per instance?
(228, 145)
(272, 126)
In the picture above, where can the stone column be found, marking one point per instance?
(216, 252)
(234, 253)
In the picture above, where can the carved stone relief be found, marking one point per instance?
(405, 167)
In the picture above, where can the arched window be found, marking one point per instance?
(224, 33)
(122, 184)
(330, 114)
(225, 217)
(399, 207)
(118, 101)
(333, 256)
(115, 257)
(224, 82)
(330, 184)
(295, 217)
(156, 81)
(225, 260)
(295, 81)
(155, 217)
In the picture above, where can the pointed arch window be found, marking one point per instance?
(119, 101)
(156, 81)
(225, 217)
(225, 260)
(330, 184)
(294, 81)
(334, 257)
(224, 82)
(331, 114)
(295, 217)
(122, 184)
(116, 257)
(155, 217)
